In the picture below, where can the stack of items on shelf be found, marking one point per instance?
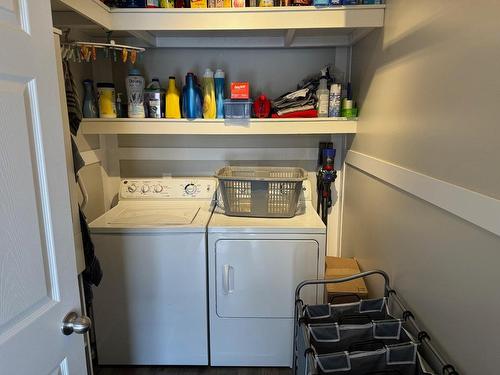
(205, 98)
(320, 96)
(231, 3)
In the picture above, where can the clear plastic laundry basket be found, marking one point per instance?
(260, 191)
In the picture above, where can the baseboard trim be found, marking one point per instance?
(479, 209)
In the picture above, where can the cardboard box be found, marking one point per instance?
(198, 3)
(240, 90)
(337, 268)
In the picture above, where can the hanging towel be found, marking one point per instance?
(72, 99)
(92, 275)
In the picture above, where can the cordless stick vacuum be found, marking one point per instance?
(324, 178)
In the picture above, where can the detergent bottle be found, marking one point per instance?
(191, 98)
(135, 94)
(219, 92)
(173, 100)
(209, 106)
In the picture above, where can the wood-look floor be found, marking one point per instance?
(187, 370)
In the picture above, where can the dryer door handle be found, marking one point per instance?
(228, 279)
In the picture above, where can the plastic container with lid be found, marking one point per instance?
(238, 109)
(107, 101)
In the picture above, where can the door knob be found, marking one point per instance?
(74, 323)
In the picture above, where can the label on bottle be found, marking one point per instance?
(323, 105)
(154, 108)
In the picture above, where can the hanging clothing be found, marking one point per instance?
(72, 100)
(92, 275)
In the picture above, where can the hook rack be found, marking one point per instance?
(87, 51)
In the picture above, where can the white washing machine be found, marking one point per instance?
(254, 265)
(151, 306)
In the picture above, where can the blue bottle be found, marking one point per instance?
(219, 92)
(192, 106)
(89, 109)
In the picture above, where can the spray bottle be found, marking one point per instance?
(323, 94)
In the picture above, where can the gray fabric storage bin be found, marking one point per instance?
(333, 337)
(399, 359)
(361, 312)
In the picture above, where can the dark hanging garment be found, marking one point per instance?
(78, 162)
(72, 100)
(92, 274)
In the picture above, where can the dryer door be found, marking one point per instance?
(257, 278)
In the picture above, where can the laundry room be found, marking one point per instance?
(258, 187)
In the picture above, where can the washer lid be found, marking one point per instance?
(154, 216)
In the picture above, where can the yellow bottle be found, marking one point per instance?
(208, 89)
(173, 100)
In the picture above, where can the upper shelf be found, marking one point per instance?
(339, 125)
(227, 27)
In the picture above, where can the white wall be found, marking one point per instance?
(429, 92)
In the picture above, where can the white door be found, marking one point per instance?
(257, 278)
(38, 281)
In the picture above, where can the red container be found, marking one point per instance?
(240, 90)
(262, 107)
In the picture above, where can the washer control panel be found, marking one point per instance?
(168, 188)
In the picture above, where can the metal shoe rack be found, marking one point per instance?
(423, 340)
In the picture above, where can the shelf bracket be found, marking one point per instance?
(144, 36)
(289, 37)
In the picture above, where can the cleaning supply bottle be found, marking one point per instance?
(173, 100)
(89, 100)
(335, 101)
(121, 111)
(322, 94)
(208, 88)
(219, 92)
(154, 99)
(191, 98)
(135, 94)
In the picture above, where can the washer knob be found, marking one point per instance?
(190, 189)
(132, 188)
(158, 188)
(145, 188)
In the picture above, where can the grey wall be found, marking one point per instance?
(269, 71)
(429, 94)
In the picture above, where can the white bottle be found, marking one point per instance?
(335, 102)
(323, 95)
(135, 94)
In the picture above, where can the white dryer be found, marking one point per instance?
(254, 265)
(150, 308)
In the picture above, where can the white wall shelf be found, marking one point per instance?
(219, 127)
(225, 27)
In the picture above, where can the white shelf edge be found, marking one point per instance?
(272, 18)
(348, 22)
(219, 127)
(287, 9)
